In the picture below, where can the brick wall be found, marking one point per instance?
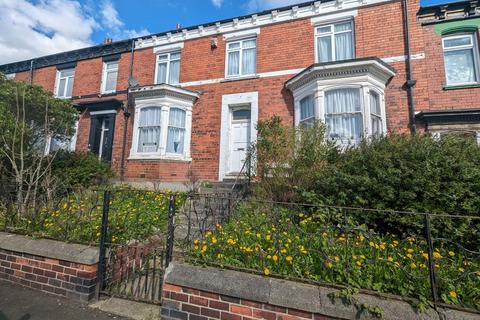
(190, 304)
(72, 280)
(280, 46)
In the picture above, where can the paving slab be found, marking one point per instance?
(19, 303)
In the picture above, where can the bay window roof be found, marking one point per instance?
(163, 91)
(346, 69)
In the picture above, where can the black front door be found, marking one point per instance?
(101, 135)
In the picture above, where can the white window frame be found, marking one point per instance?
(105, 74)
(169, 62)
(240, 58)
(476, 59)
(165, 103)
(332, 34)
(318, 90)
(306, 120)
(69, 78)
(10, 76)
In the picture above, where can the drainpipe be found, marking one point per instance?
(31, 71)
(410, 82)
(126, 116)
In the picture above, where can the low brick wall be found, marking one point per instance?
(199, 293)
(67, 270)
(191, 304)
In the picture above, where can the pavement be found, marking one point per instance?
(19, 303)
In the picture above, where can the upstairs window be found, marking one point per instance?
(242, 58)
(461, 59)
(176, 131)
(64, 86)
(109, 78)
(335, 42)
(307, 111)
(168, 68)
(343, 115)
(149, 127)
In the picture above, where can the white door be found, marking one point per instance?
(239, 139)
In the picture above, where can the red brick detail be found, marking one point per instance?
(63, 278)
(200, 305)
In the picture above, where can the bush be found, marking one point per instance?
(395, 172)
(75, 169)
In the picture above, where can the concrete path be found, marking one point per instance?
(18, 303)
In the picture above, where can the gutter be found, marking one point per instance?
(410, 81)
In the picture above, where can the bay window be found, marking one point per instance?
(176, 131)
(64, 83)
(168, 68)
(343, 115)
(376, 113)
(347, 96)
(149, 127)
(335, 42)
(241, 57)
(307, 111)
(461, 59)
(162, 122)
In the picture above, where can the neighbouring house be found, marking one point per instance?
(168, 105)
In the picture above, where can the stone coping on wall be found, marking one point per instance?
(295, 295)
(49, 248)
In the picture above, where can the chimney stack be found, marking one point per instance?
(107, 40)
(179, 26)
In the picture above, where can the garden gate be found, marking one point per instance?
(135, 270)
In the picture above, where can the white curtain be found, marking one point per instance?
(376, 113)
(149, 129)
(233, 63)
(162, 73)
(344, 46)
(69, 87)
(307, 110)
(343, 115)
(174, 72)
(459, 66)
(249, 62)
(324, 49)
(176, 131)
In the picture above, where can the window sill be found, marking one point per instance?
(159, 158)
(239, 78)
(461, 86)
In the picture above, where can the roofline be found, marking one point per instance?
(83, 52)
(439, 13)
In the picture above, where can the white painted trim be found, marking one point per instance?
(335, 17)
(417, 56)
(317, 9)
(239, 35)
(94, 113)
(165, 103)
(10, 76)
(104, 77)
(168, 48)
(229, 101)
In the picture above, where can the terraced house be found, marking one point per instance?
(188, 100)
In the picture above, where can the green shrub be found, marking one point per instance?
(75, 169)
(395, 172)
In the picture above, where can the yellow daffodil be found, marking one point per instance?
(452, 294)
(413, 265)
(275, 258)
(437, 255)
(289, 258)
(358, 264)
(214, 240)
(410, 251)
(451, 253)
(329, 265)
(266, 271)
(337, 259)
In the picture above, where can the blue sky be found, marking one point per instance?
(32, 28)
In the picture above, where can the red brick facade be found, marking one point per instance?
(379, 32)
(72, 280)
(191, 304)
